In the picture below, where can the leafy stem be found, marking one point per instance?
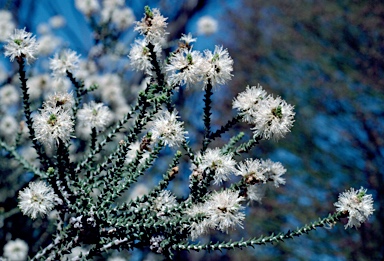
(28, 115)
(262, 240)
(207, 115)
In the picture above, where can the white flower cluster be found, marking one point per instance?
(6, 25)
(54, 122)
(271, 117)
(37, 200)
(21, 44)
(112, 12)
(168, 128)
(207, 25)
(68, 60)
(190, 67)
(220, 66)
(252, 171)
(8, 126)
(357, 204)
(15, 250)
(222, 165)
(140, 56)
(222, 211)
(260, 171)
(152, 26)
(87, 7)
(165, 200)
(9, 95)
(255, 172)
(115, 11)
(47, 44)
(95, 115)
(185, 66)
(57, 21)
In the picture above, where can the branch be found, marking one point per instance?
(331, 219)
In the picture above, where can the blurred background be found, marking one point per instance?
(324, 57)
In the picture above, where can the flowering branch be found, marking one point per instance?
(89, 196)
(262, 240)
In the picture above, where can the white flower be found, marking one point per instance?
(52, 125)
(8, 126)
(274, 171)
(43, 28)
(47, 44)
(187, 38)
(61, 100)
(68, 60)
(6, 25)
(186, 67)
(110, 89)
(357, 203)
(57, 21)
(221, 211)
(167, 128)
(222, 165)
(38, 84)
(123, 17)
(247, 102)
(114, 12)
(256, 192)
(16, 250)
(37, 200)
(273, 119)
(165, 200)
(152, 25)
(207, 25)
(87, 69)
(252, 171)
(256, 172)
(60, 85)
(140, 56)
(202, 226)
(221, 66)
(224, 210)
(87, 7)
(21, 44)
(9, 95)
(95, 115)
